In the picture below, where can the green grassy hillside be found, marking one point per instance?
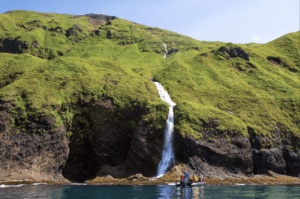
(50, 60)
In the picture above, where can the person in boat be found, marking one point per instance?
(201, 178)
(182, 178)
(186, 178)
(195, 179)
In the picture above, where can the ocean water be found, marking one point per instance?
(147, 192)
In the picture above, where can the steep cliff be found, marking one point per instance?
(76, 100)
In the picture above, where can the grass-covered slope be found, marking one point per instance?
(237, 94)
(60, 60)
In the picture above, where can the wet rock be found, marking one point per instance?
(136, 176)
(109, 177)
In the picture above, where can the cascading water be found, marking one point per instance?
(166, 50)
(168, 155)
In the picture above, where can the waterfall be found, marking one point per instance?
(166, 50)
(168, 155)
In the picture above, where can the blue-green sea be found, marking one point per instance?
(147, 192)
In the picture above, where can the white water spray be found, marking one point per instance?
(166, 50)
(168, 155)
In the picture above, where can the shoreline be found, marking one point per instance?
(258, 180)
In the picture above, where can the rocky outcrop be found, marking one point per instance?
(279, 61)
(204, 156)
(172, 51)
(101, 17)
(31, 156)
(235, 52)
(292, 160)
(268, 159)
(279, 154)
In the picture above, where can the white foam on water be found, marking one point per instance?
(39, 184)
(5, 186)
(171, 183)
(159, 176)
(76, 184)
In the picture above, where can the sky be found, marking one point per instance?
(236, 21)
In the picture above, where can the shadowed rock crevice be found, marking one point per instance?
(274, 60)
(102, 135)
(144, 154)
(13, 45)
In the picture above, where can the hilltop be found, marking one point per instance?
(76, 99)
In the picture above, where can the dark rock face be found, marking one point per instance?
(219, 153)
(292, 161)
(269, 159)
(23, 155)
(108, 140)
(235, 52)
(144, 154)
(13, 45)
(275, 153)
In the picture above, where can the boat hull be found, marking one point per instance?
(193, 184)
